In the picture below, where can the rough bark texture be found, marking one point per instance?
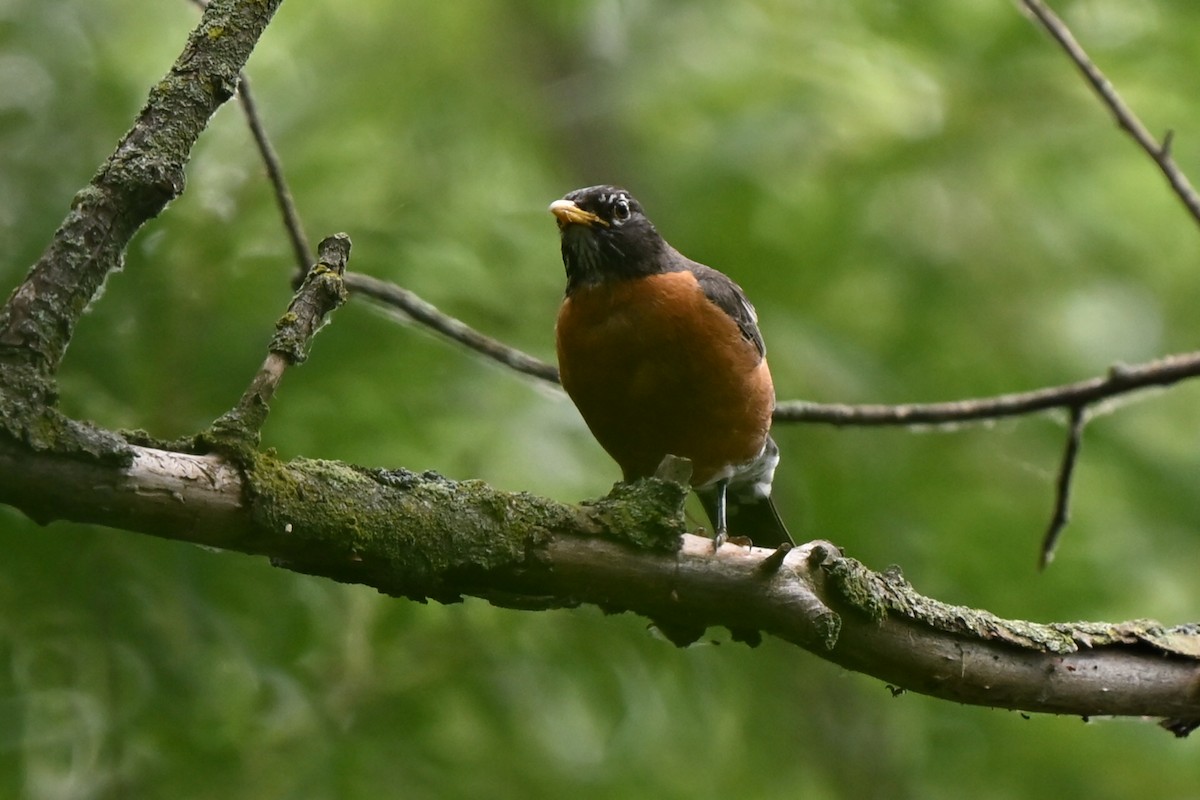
(425, 537)
(143, 174)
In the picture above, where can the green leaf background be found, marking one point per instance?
(923, 200)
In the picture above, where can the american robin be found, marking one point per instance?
(663, 356)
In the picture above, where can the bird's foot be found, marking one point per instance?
(723, 536)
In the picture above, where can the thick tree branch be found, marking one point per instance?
(421, 536)
(143, 174)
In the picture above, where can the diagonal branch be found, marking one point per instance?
(425, 313)
(1062, 486)
(283, 195)
(1126, 119)
(143, 174)
(321, 293)
(1121, 379)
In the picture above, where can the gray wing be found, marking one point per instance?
(731, 299)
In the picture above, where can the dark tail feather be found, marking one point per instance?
(752, 517)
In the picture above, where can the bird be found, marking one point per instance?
(663, 356)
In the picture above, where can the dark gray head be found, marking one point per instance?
(606, 236)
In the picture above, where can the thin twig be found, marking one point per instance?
(1126, 119)
(1062, 487)
(391, 295)
(456, 330)
(396, 297)
(1120, 380)
(283, 195)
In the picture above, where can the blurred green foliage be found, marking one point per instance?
(923, 200)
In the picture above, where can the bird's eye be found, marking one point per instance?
(621, 209)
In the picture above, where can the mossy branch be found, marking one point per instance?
(320, 294)
(424, 537)
(143, 174)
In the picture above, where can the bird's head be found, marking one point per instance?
(606, 236)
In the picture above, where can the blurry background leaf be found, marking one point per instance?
(924, 202)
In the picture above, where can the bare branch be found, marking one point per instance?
(394, 297)
(1126, 119)
(390, 295)
(283, 195)
(1062, 487)
(1121, 379)
(416, 309)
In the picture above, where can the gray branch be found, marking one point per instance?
(144, 173)
(425, 537)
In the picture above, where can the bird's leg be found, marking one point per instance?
(720, 523)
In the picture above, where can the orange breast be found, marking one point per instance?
(656, 368)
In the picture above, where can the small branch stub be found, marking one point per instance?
(1062, 491)
(321, 293)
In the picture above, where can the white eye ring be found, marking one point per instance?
(621, 210)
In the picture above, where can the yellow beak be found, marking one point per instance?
(568, 213)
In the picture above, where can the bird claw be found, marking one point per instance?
(724, 537)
